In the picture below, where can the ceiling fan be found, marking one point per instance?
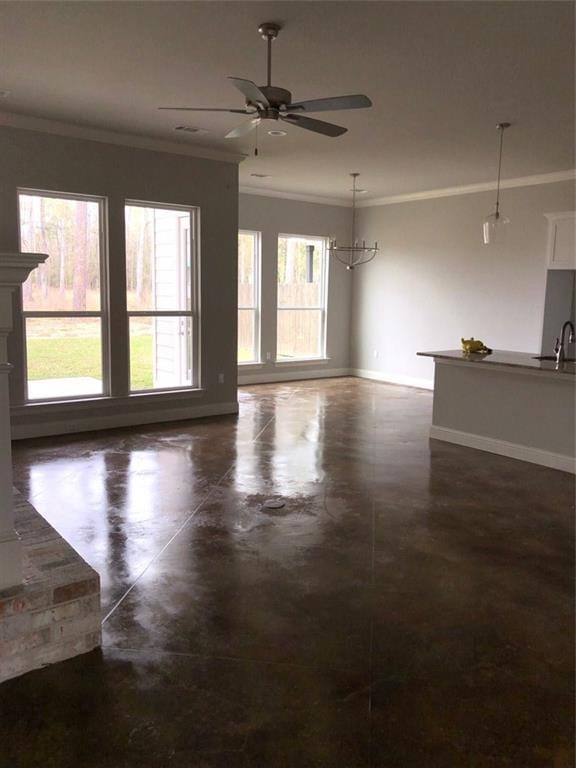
(269, 102)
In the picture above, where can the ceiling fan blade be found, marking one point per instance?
(250, 90)
(243, 129)
(208, 109)
(318, 126)
(357, 101)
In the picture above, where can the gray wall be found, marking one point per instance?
(274, 216)
(524, 414)
(43, 161)
(434, 281)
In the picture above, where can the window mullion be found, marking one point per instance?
(161, 313)
(40, 314)
(117, 321)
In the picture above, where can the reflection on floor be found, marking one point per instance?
(409, 606)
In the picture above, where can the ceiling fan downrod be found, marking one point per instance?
(269, 31)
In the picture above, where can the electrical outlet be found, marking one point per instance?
(376, 354)
(220, 378)
(268, 356)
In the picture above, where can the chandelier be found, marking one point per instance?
(353, 255)
(492, 224)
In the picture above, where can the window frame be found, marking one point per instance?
(193, 313)
(103, 314)
(323, 307)
(257, 297)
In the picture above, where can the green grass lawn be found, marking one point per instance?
(75, 356)
(71, 357)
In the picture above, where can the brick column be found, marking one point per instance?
(14, 269)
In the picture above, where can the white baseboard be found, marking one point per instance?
(290, 375)
(91, 422)
(317, 373)
(504, 448)
(392, 378)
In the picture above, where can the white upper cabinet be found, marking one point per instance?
(561, 240)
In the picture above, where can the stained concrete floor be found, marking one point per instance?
(410, 606)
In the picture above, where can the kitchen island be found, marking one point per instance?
(510, 403)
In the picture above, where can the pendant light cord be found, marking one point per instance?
(354, 175)
(269, 60)
(501, 129)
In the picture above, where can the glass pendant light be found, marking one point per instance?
(493, 224)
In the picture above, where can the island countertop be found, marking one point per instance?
(505, 358)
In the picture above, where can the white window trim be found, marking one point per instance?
(257, 308)
(253, 365)
(102, 314)
(304, 361)
(88, 402)
(323, 307)
(193, 312)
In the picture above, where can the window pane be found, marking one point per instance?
(158, 265)
(69, 232)
(300, 271)
(160, 352)
(64, 357)
(246, 270)
(247, 336)
(299, 333)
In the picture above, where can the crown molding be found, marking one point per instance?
(470, 189)
(28, 123)
(294, 196)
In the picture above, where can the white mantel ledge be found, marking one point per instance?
(15, 267)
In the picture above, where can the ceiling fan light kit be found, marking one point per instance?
(270, 102)
(355, 254)
(493, 223)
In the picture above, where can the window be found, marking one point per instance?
(65, 332)
(248, 297)
(302, 277)
(162, 286)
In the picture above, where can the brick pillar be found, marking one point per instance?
(14, 269)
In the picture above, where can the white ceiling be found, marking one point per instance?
(440, 74)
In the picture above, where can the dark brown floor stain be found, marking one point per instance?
(410, 605)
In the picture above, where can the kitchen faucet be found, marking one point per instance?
(559, 346)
